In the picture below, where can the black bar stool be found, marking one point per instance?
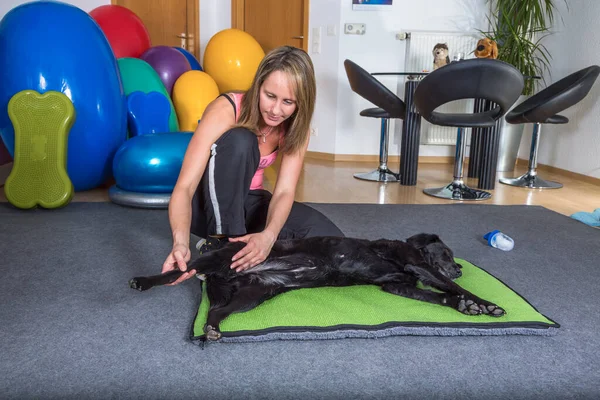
(543, 108)
(388, 106)
(487, 79)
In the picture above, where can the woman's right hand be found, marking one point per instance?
(178, 258)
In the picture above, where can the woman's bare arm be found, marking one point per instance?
(218, 118)
(284, 192)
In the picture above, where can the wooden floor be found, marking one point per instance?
(333, 182)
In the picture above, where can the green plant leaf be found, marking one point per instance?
(518, 27)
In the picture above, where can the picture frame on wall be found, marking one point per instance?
(371, 5)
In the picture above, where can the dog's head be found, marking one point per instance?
(436, 253)
(486, 48)
(440, 51)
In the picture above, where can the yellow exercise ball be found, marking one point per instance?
(232, 57)
(192, 93)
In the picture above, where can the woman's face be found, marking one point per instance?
(277, 99)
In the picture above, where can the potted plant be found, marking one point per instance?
(518, 27)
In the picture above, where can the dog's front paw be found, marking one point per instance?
(476, 306)
(467, 306)
(212, 334)
(491, 309)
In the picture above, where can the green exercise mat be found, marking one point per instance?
(367, 311)
(39, 174)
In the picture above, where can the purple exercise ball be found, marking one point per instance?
(169, 63)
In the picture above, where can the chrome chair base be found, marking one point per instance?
(458, 191)
(531, 181)
(379, 175)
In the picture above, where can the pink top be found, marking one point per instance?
(265, 161)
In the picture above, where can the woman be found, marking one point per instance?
(219, 191)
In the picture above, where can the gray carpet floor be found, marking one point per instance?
(72, 328)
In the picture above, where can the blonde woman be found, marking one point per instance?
(219, 193)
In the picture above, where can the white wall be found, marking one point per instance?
(215, 15)
(573, 45)
(324, 13)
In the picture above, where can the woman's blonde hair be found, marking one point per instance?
(298, 66)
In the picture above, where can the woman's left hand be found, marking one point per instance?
(258, 246)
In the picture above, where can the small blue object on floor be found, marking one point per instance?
(591, 219)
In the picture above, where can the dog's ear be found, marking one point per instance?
(494, 51)
(423, 240)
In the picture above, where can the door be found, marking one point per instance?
(169, 22)
(273, 23)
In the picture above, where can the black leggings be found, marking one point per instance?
(224, 204)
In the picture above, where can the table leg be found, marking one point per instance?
(411, 137)
(475, 152)
(490, 142)
(483, 157)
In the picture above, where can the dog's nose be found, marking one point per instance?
(457, 273)
(458, 267)
(480, 47)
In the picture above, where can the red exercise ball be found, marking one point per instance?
(124, 30)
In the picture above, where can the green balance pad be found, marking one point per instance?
(368, 311)
(39, 173)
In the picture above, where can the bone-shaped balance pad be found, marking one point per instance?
(39, 175)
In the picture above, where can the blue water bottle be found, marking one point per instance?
(499, 240)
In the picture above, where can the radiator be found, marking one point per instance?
(419, 58)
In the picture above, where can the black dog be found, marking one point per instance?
(394, 265)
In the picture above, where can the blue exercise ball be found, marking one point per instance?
(49, 45)
(191, 58)
(151, 163)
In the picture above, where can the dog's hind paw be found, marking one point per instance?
(137, 283)
(211, 333)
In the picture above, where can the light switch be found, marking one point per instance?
(316, 40)
(316, 35)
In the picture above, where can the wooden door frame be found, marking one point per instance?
(194, 20)
(237, 18)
